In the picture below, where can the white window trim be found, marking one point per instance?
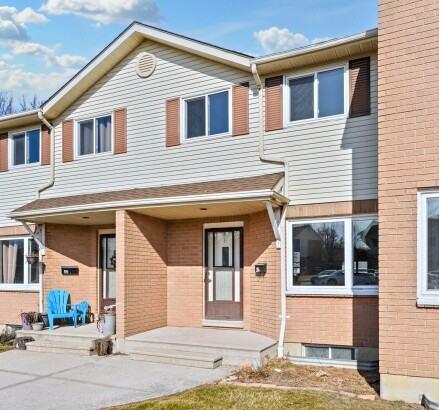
(316, 118)
(425, 297)
(348, 289)
(183, 116)
(26, 286)
(11, 136)
(76, 136)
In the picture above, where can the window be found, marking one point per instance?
(25, 148)
(330, 352)
(15, 271)
(333, 256)
(428, 249)
(207, 115)
(94, 136)
(317, 95)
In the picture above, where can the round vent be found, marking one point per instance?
(145, 65)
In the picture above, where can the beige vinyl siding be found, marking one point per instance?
(148, 162)
(331, 159)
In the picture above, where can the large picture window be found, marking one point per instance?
(207, 115)
(25, 148)
(316, 95)
(94, 136)
(428, 249)
(15, 272)
(333, 256)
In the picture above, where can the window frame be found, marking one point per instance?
(25, 286)
(11, 136)
(425, 297)
(183, 115)
(77, 136)
(348, 288)
(287, 95)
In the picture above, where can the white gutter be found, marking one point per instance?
(52, 154)
(282, 161)
(19, 115)
(315, 47)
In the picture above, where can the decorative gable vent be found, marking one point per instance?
(145, 64)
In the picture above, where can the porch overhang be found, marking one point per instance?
(198, 200)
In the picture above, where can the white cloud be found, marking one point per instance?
(276, 39)
(13, 22)
(29, 15)
(107, 11)
(49, 55)
(14, 78)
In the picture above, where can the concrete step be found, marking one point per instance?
(42, 346)
(231, 356)
(56, 337)
(177, 357)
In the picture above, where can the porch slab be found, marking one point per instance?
(237, 347)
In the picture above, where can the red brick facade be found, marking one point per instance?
(408, 157)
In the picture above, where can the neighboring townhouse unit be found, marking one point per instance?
(194, 186)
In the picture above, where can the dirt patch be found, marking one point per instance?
(284, 373)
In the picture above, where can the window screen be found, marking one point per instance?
(302, 98)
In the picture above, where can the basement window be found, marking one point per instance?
(330, 352)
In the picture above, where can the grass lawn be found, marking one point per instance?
(219, 397)
(4, 348)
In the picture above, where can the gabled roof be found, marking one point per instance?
(120, 47)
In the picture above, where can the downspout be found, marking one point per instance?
(281, 161)
(52, 155)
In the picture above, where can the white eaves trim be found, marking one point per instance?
(160, 36)
(316, 47)
(261, 195)
(19, 115)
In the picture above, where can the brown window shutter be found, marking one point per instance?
(359, 87)
(45, 145)
(4, 152)
(273, 103)
(240, 109)
(67, 141)
(173, 122)
(120, 131)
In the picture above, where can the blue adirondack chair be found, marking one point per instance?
(58, 308)
(81, 311)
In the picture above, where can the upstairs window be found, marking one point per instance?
(25, 148)
(94, 136)
(317, 95)
(207, 115)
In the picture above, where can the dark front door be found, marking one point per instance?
(223, 273)
(107, 264)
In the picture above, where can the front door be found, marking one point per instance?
(107, 264)
(223, 273)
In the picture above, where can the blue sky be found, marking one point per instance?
(44, 42)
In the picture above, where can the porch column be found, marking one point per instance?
(141, 284)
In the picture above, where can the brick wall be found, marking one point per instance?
(73, 245)
(408, 155)
(13, 303)
(346, 321)
(141, 273)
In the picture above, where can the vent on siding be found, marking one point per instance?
(145, 64)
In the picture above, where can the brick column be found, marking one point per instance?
(141, 273)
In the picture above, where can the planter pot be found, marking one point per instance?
(45, 319)
(25, 325)
(38, 326)
(32, 260)
(108, 322)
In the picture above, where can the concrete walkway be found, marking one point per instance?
(42, 381)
